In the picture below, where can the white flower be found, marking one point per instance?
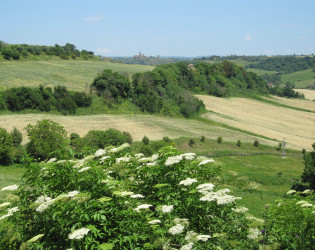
(203, 237)
(126, 193)
(173, 160)
(187, 182)
(226, 199)
(42, 199)
(205, 162)
(291, 192)
(152, 222)
(307, 191)
(187, 247)
(167, 209)
(205, 188)
(5, 204)
(191, 236)
(123, 159)
(52, 160)
(103, 159)
(301, 202)
(89, 157)
(79, 164)
(253, 233)
(83, 169)
(143, 206)
(136, 196)
(79, 233)
(120, 148)
(307, 205)
(72, 193)
(5, 216)
(104, 181)
(184, 222)
(240, 209)
(138, 156)
(176, 229)
(61, 161)
(151, 164)
(42, 207)
(10, 188)
(188, 156)
(254, 218)
(100, 152)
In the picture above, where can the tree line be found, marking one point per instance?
(43, 99)
(16, 51)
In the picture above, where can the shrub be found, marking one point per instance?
(256, 143)
(166, 139)
(17, 137)
(46, 139)
(239, 143)
(191, 142)
(202, 138)
(279, 146)
(6, 147)
(145, 140)
(219, 139)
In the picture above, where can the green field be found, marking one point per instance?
(301, 79)
(75, 75)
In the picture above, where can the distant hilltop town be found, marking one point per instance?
(140, 55)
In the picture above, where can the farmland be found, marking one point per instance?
(264, 119)
(308, 93)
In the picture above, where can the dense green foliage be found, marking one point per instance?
(12, 51)
(148, 60)
(285, 64)
(44, 99)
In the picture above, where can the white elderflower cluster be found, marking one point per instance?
(42, 198)
(203, 238)
(184, 222)
(5, 204)
(103, 159)
(153, 158)
(253, 233)
(240, 209)
(179, 228)
(143, 206)
(188, 182)
(138, 156)
(167, 208)
(125, 193)
(79, 164)
(173, 160)
(100, 152)
(83, 169)
(151, 164)
(307, 191)
(72, 193)
(79, 233)
(153, 222)
(291, 192)
(52, 160)
(11, 211)
(35, 238)
(205, 188)
(187, 246)
(120, 148)
(220, 196)
(188, 156)
(191, 236)
(304, 204)
(10, 188)
(205, 162)
(136, 196)
(123, 159)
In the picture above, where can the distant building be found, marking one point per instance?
(139, 56)
(191, 66)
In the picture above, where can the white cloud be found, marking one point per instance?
(103, 50)
(248, 38)
(93, 18)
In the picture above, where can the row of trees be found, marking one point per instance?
(43, 99)
(284, 64)
(48, 139)
(9, 51)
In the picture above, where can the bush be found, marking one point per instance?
(17, 137)
(256, 143)
(219, 139)
(46, 139)
(279, 146)
(145, 140)
(191, 142)
(166, 139)
(6, 147)
(239, 143)
(202, 138)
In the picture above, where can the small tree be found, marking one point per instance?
(45, 138)
(5, 147)
(239, 143)
(308, 175)
(17, 137)
(191, 142)
(256, 143)
(220, 139)
(145, 140)
(202, 138)
(279, 146)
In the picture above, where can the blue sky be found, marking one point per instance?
(164, 27)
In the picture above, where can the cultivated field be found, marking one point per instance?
(264, 119)
(293, 102)
(308, 93)
(75, 75)
(154, 127)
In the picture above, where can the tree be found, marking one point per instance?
(308, 175)
(5, 147)
(145, 140)
(47, 138)
(7, 52)
(17, 137)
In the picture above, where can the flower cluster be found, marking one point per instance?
(253, 233)
(205, 162)
(291, 192)
(220, 196)
(100, 152)
(188, 182)
(167, 209)
(240, 209)
(79, 233)
(179, 228)
(10, 188)
(119, 149)
(143, 206)
(11, 211)
(153, 222)
(173, 160)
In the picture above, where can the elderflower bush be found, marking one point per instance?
(114, 199)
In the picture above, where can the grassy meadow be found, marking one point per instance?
(301, 79)
(75, 75)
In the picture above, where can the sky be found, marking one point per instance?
(188, 28)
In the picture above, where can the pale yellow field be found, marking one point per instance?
(154, 127)
(297, 127)
(299, 103)
(308, 93)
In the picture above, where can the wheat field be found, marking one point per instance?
(297, 127)
(308, 93)
(293, 102)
